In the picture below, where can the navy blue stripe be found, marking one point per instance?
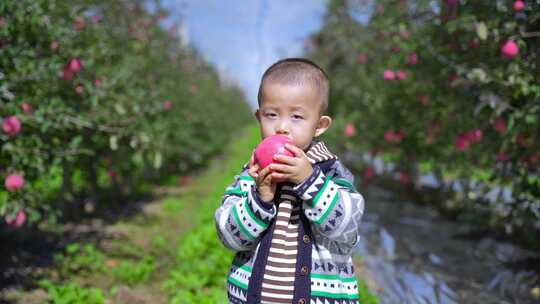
(302, 282)
(289, 192)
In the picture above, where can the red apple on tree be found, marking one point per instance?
(510, 49)
(16, 221)
(518, 5)
(14, 182)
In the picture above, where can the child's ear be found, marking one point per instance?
(258, 115)
(324, 123)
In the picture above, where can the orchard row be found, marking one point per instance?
(100, 95)
(444, 87)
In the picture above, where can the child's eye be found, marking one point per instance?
(297, 117)
(270, 114)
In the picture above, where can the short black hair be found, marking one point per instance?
(298, 71)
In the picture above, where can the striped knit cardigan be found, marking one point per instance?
(329, 216)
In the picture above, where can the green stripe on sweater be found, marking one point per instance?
(237, 283)
(316, 199)
(334, 295)
(343, 182)
(236, 191)
(243, 267)
(332, 277)
(330, 208)
(247, 178)
(255, 218)
(241, 225)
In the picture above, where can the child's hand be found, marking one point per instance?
(263, 180)
(294, 169)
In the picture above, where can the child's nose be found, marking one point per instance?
(283, 128)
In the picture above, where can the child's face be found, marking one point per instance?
(292, 110)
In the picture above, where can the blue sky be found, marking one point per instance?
(243, 37)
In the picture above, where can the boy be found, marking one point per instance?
(293, 240)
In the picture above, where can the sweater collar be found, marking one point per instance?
(318, 152)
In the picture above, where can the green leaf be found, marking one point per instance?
(482, 30)
(532, 179)
(158, 160)
(478, 74)
(73, 248)
(3, 202)
(120, 109)
(113, 142)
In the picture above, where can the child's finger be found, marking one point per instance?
(268, 179)
(295, 150)
(253, 171)
(277, 175)
(252, 160)
(281, 168)
(264, 172)
(285, 159)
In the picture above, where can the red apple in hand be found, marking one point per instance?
(270, 146)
